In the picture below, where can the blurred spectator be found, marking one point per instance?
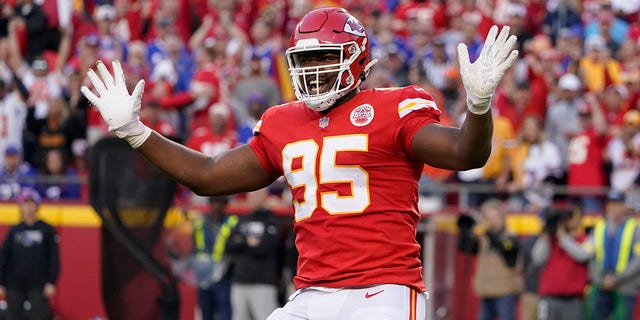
(473, 21)
(55, 131)
(13, 112)
(569, 50)
(562, 122)
(129, 19)
(112, 45)
(598, 68)
(560, 253)
(151, 115)
(529, 298)
(217, 137)
(42, 85)
(436, 62)
(614, 102)
(454, 99)
(255, 82)
(253, 246)
(264, 45)
(611, 28)
(204, 91)
(164, 16)
(172, 63)
(623, 153)
(626, 53)
(33, 28)
(255, 105)
(515, 16)
(515, 100)
(497, 280)
(429, 15)
(58, 180)
(615, 242)
(536, 166)
(394, 61)
(137, 60)
(15, 174)
(627, 10)
(29, 262)
(79, 108)
(586, 174)
(212, 264)
(563, 16)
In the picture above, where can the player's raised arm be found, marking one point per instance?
(234, 171)
(469, 146)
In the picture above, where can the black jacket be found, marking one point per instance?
(257, 264)
(29, 257)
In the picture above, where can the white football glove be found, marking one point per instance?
(118, 108)
(481, 77)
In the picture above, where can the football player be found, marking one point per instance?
(352, 159)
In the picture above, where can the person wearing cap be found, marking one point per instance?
(597, 66)
(29, 261)
(615, 269)
(15, 173)
(112, 46)
(585, 157)
(562, 119)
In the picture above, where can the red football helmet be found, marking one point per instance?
(327, 29)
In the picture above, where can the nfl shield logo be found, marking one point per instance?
(324, 122)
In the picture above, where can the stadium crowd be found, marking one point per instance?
(212, 67)
(566, 117)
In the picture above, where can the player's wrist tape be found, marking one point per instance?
(137, 140)
(480, 106)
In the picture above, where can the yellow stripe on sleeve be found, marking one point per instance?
(408, 105)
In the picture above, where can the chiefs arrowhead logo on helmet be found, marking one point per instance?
(354, 27)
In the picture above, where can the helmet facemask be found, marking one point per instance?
(306, 80)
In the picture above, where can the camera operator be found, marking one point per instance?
(564, 274)
(498, 280)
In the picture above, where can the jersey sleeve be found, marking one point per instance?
(258, 144)
(416, 108)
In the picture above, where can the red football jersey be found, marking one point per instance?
(586, 159)
(210, 143)
(354, 184)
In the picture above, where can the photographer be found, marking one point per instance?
(497, 281)
(559, 251)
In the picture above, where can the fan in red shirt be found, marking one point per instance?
(216, 137)
(352, 160)
(586, 175)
